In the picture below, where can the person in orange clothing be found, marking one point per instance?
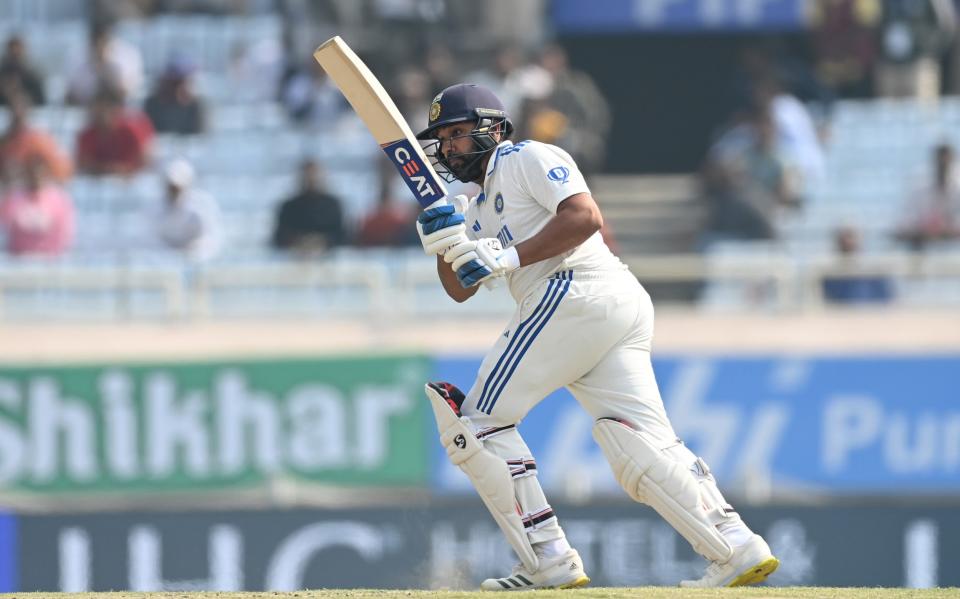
(390, 224)
(22, 143)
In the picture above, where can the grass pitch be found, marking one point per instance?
(587, 593)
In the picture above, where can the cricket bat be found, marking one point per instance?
(374, 106)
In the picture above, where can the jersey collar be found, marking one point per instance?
(504, 145)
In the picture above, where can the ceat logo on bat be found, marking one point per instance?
(414, 172)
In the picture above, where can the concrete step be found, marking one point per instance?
(650, 213)
(644, 187)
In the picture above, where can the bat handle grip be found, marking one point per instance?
(441, 202)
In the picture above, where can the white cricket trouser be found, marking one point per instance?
(589, 332)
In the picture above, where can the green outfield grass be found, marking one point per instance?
(594, 593)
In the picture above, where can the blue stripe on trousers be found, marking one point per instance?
(510, 354)
(516, 336)
(543, 322)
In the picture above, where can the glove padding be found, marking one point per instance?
(479, 261)
(440, 229)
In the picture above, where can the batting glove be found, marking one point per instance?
(453, 396)
(482, 260)
(440, 229)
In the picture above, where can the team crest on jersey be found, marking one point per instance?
(559, 174)
(498, 203)
(435, 108)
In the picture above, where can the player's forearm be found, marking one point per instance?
(577, 219)
(451, 284)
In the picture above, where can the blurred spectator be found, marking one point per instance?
(845, 44)
(411, 92)
(952, 63)
(796, 76)
(255, 70)
(345, 14)
(577, 97)
(310, 97)
(915, 34)
(115, 10)
(749, 180)
(440, 65)
(22, 143)
(112, 63)
(349, 13)
(312, 219)
(543, 122)
(796, 132)
(514, 80)
(390, 224)
(205, 7)
(848, 286)
(292, 55)
(116, 141)
(412, 31)
(188, 221)
(37, 216)
(932, 213)
(416, 12)
(173, 107)
(18, 76)
(507, 60)
(792, 85)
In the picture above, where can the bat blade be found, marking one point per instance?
(381, 116)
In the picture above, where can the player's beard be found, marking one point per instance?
(466, 167)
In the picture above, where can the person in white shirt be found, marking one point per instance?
(582, 322)
(112, 62)
(189, 219)
(931, 213)
(311, 97)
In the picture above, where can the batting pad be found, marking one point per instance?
(489, 474)
(651, 476)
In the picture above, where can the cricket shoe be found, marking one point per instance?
(751, 563)
(561, 572)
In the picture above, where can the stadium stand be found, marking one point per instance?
(878, 150)
(248, 159)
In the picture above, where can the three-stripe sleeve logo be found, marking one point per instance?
(522, 339)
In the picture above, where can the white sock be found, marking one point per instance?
(552, 548)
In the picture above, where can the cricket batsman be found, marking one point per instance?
(583, 322)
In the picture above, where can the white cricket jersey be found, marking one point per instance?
(525, 184)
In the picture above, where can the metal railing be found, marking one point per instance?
(403, 284)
